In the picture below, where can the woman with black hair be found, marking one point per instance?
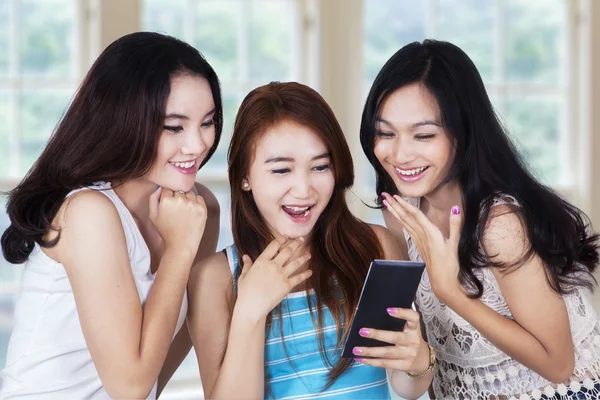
(509, 262)
(107, 253)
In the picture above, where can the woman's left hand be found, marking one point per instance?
(439, 253)
(409, 353)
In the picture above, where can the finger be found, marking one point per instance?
(200, 200)
(301, 277)
(295, 264)
(274, 247)
(417, 214)
(288, 249)
(391, 337)
(166, 193)
(388, 352)
(153, 203)
(190, 195)
(411, 317)
(400, 213)
(399, 365)
(247, 264)
(455, 225)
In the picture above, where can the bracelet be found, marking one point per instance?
(432, 362)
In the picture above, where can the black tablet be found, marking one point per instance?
(388, 284)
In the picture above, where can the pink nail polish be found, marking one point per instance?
(360, 360)
(392, 310)
(357, 351)
(455, 210)
(386, 204)
(385, 195)
(363, 332)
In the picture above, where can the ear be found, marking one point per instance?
(246, 185)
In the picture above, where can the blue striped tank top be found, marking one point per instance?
(294, 368)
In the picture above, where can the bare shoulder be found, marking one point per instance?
(212, 204)
(388, 242)
(505, 235)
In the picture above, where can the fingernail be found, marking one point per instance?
(308, 256)
(386, 204)
(357, 351)
(158, 187)
(385, 195)
(360, 360)
(363, 332)
(455, 210)
(392, 311)
(301, 239)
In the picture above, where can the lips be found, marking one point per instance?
(185, 167)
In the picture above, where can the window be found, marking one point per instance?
(522, 58)
(39, 71)
(248, 43)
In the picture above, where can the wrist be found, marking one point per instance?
(183, 252)
(422, 360)
(420, 374)
(246, 317)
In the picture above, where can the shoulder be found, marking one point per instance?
(212, 204)
(504, 236)
(389, 243)
(85, 207)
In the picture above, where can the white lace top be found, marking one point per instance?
(471, 367)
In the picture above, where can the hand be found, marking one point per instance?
(179, 218)
(439, 254)
(264, 283)
(410, 352)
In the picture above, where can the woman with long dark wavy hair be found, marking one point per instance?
(509, 262)
(107, 254)
(268, 315)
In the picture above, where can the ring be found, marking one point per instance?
(179, 192)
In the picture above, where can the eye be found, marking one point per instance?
(425, 137)
(280, 171)
(208, 123)
(384, 135)
(175, 129)
(321, 168)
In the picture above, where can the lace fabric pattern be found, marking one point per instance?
(471, 367)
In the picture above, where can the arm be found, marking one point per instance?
(183, 343)
(212, 325)
(540, 335)
(128, 343)
(402, 385)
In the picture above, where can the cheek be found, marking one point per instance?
(324, 185)
(380, 150)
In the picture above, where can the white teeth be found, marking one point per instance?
(297, 209)
(306, 212)
(411, 171)
(186, 165)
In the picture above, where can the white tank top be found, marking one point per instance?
(471, 367)
(47, 354)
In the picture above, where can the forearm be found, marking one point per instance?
(510, 337)
(409, 388)
(161, 312)
(242, 373)
(179, 349)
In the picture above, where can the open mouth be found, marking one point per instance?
(185, 167)
(411, 175)
(298, 212)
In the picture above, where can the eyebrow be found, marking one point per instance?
(185, 117)
(415, 125)
(290, 159)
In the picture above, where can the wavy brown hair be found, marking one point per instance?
(342, 246)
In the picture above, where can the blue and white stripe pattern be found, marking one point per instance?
(294, 367)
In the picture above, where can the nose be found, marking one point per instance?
(302, 187)
(403, 151)
(194, 143)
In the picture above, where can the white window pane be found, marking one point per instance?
(39, 113)
(271, 40)
(216, 34)
(165, 16)
(6, 131)
(47, 32)
(535, 41)
(5, 37)
(231, 103)
(469, 24)
(535, 123)
(389, 25)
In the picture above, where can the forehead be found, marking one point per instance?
(289, 140)
(189, 95)
(410, 104)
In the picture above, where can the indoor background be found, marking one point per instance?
(537, 58)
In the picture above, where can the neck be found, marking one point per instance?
(135, 195)
(443, 199)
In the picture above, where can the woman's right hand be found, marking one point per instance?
(264, 283)
(179, 218)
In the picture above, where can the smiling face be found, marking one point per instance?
(410, 142)
(291, 179)
(188, 134)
